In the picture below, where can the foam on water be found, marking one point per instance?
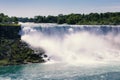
(74, 44)
(76, 53)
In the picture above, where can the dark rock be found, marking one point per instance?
(13, 51)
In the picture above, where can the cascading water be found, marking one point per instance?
(78, 52)
(74, 44)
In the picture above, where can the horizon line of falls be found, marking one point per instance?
(74, 44)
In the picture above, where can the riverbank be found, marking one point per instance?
(12, 25)
(13, 51)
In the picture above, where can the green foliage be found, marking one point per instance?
(108, 18)
(13, 50)
(14, 19)
(73, 18)
(51, 19)
(61, 19)
(4, 19)
(10, 25)
(17, 52)
(39, 19)
(4, 62)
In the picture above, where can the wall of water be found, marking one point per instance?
(75, 44)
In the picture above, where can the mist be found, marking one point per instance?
(72, 46)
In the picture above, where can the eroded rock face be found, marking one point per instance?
(10, 32)
(14, 51)
(17, 52)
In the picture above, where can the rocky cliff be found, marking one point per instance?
(13, 50)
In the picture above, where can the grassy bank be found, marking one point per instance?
(16, 25)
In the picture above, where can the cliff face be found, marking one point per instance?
(9, 32)
(13, 50)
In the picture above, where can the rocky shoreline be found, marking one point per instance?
(13, 51)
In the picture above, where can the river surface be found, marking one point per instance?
(75, 52)
(60, 72)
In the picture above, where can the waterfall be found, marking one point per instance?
(74, 44)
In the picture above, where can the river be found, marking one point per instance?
(75, 52)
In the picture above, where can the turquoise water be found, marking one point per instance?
(60, 72)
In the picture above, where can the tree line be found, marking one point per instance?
(109, 18)
(5, 19)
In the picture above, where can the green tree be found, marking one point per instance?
(14, 19)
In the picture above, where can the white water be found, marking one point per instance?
(91, 52)
(72, 46)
